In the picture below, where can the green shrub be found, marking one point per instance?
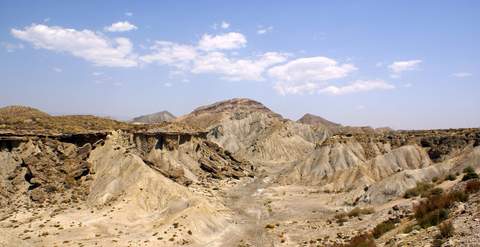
(451, 177)
(384, 227)
(468, 169)
(469, 173)
(469, 176)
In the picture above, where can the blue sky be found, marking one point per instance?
(404, 64)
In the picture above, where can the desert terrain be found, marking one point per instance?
(233, 173)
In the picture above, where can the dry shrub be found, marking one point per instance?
(420, 189)
(384, 227)
(434, 209)
(446, 229)
(472, 186)
(362, 240)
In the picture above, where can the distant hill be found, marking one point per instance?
(163, 116)
(317, 120)
(24, 119)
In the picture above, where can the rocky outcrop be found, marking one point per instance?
(45, 169)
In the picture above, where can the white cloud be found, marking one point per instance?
(398, 67)
(306, 75)
(311, 69)
(462, 74)
(121, 26)
(236, 69)
(206, 59)
(170, 53)
(357, 86)
(225, 41)
(85, 44)
(264, 30)
(56, 69)
(225, 25)
(97, 73)
(9, 47)
(168, 84)
(128, 14)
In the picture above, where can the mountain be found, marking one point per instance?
(314, 119)
(233, 173)
(209, 115)
(247, 128)
(163, 116)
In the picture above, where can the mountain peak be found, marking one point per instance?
(234, 105)
(158, 117)
(317, 120)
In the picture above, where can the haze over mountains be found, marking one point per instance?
(232, 173)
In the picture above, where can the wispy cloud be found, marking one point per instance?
(398, 67)
(129, 14)
(56, 69)
(121, 26)
(357, 86)
(225, 25)
(263, 30)
(462, 74)
(9, 47)
(225, 41)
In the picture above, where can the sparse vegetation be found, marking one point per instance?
(469, 173)
(451, 177)
(472, 186)
(384, 227)
(435, 208)
(356, 212)
(362, 240)
(418, 190)
(270, 226)
(446, 229)
(433, 192)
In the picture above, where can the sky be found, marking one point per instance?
(403, 64)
